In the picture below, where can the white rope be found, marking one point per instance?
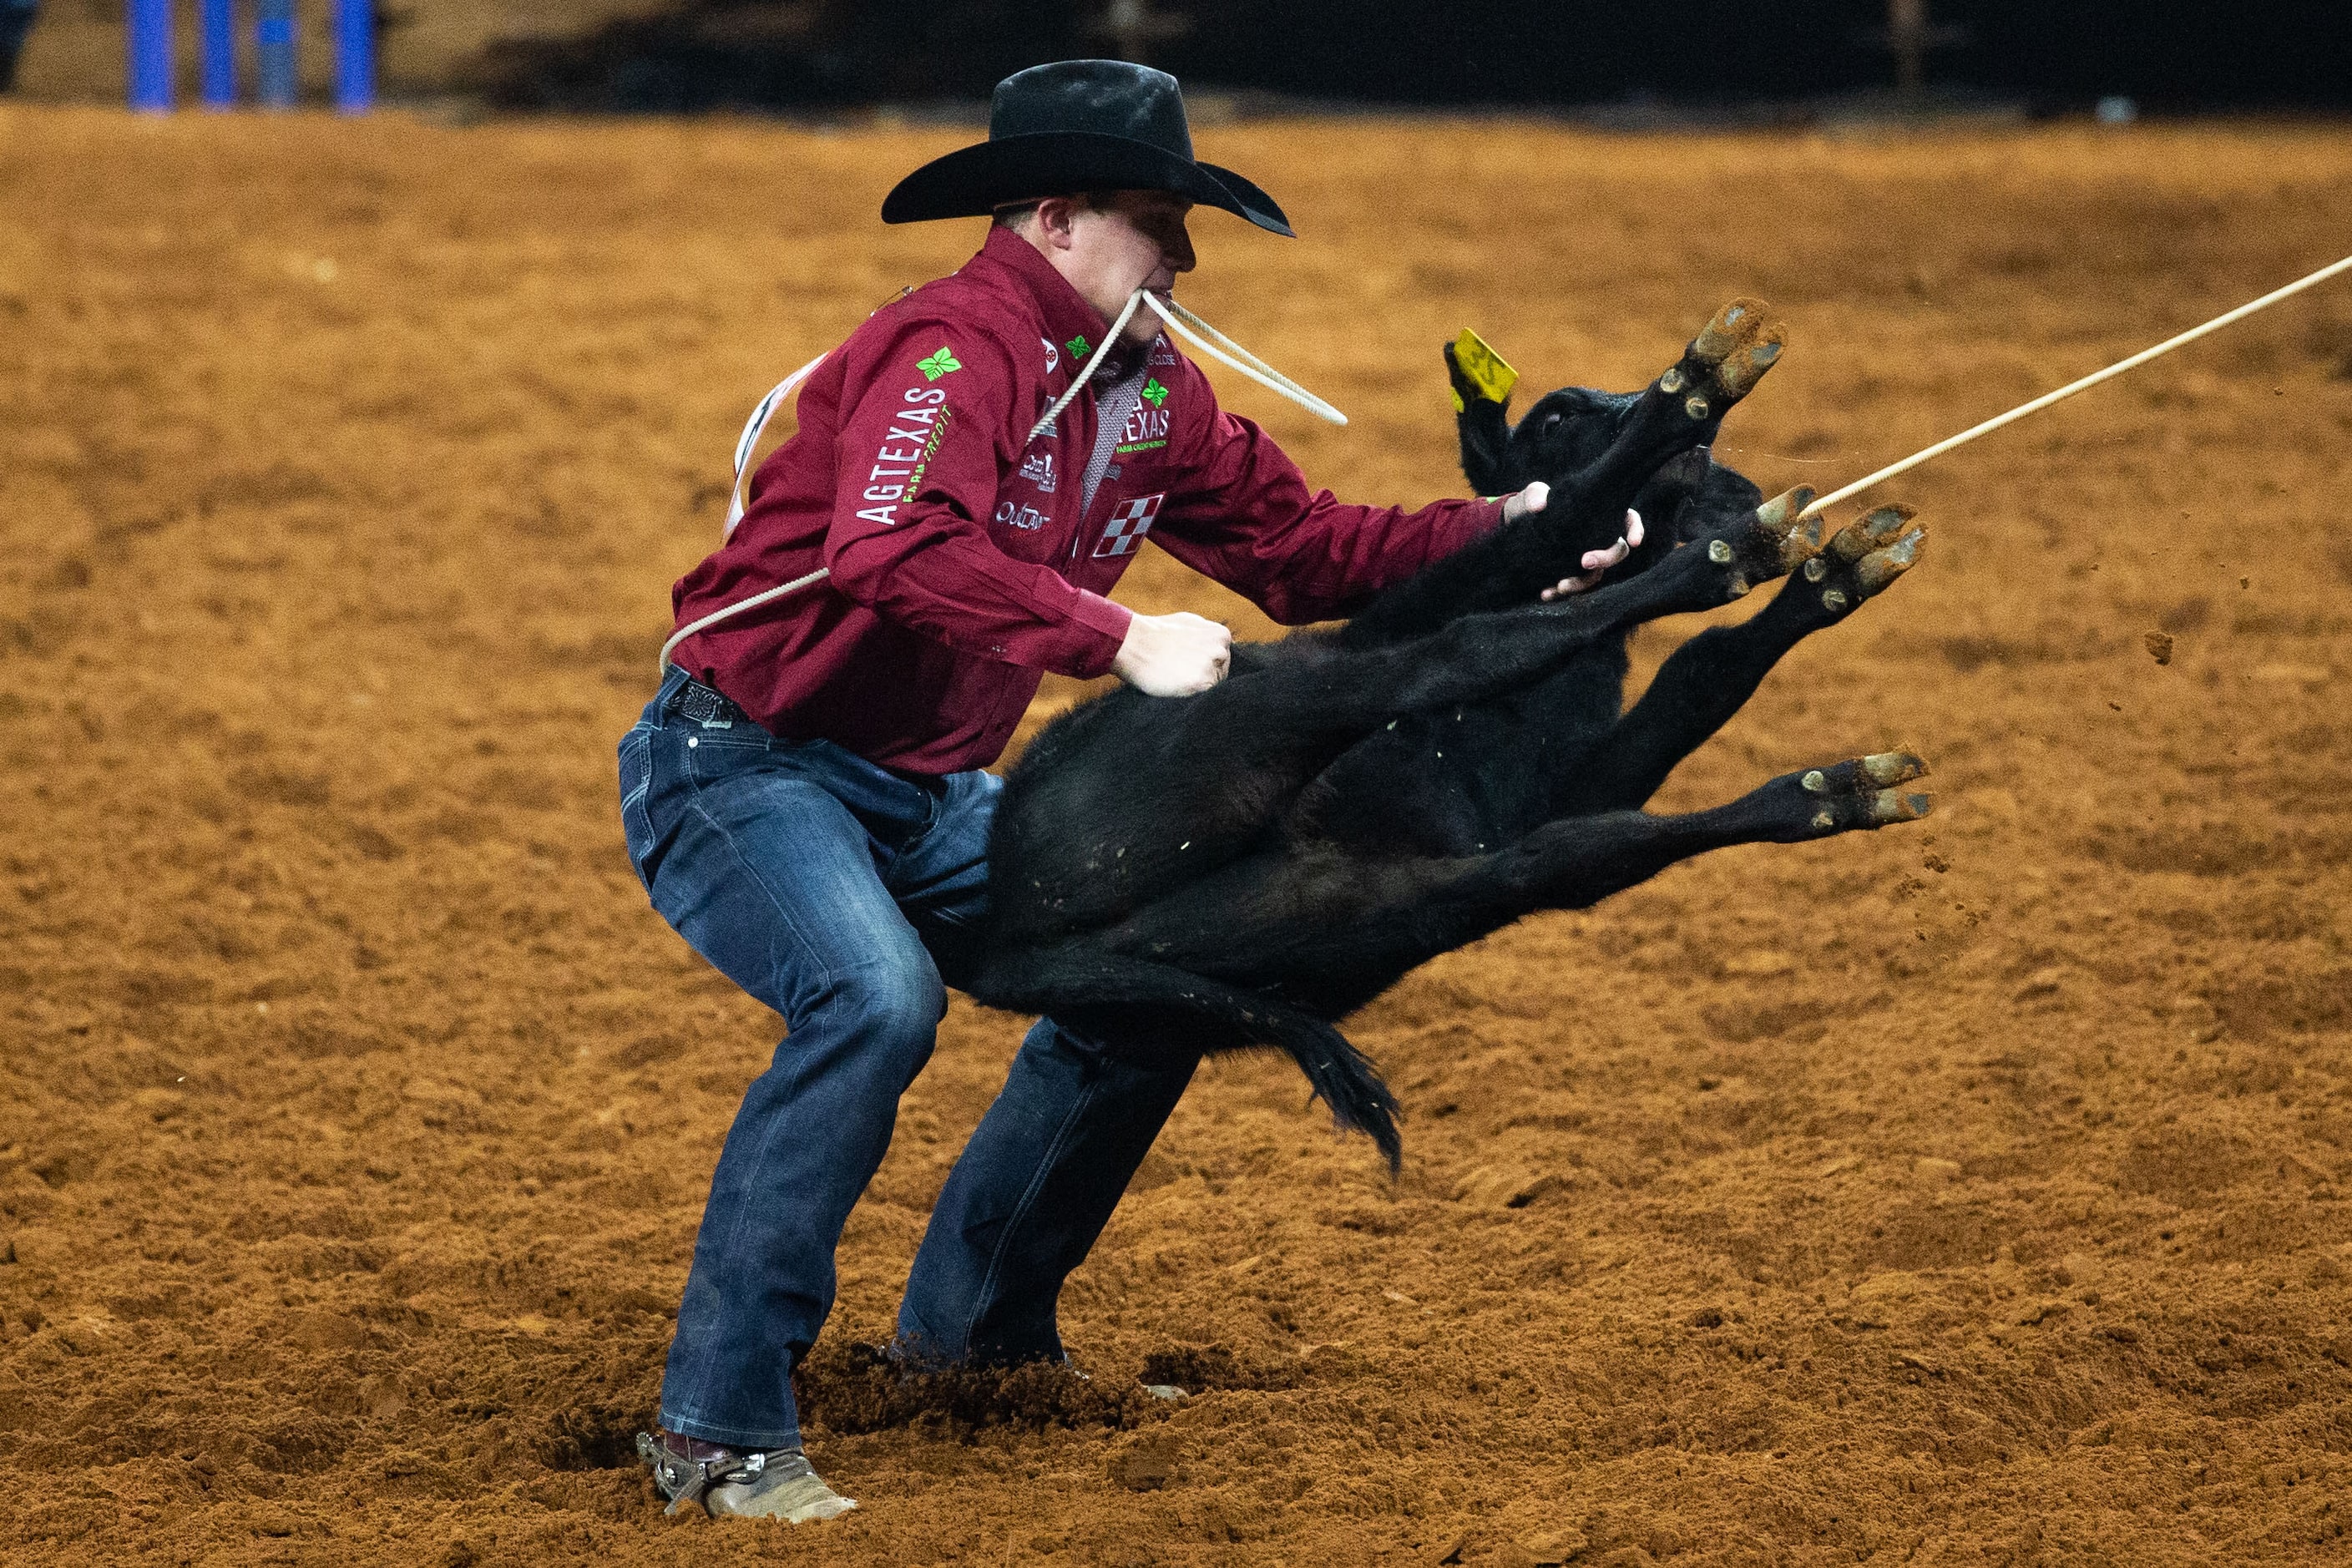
(1110, 340)
(2047, 398)
(753, 427)
(737, 608)
(1198, 332)
(744, 443)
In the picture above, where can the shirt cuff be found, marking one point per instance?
(1482, 517)
(1099, 627)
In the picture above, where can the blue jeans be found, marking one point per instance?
(840, 893)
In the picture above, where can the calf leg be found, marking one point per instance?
(1576, 862)
(1703, 683)
(1329, 933)
(1143, 1004)
(1681, 408)
(1346, 690)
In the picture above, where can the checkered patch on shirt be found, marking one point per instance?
(1129, 522)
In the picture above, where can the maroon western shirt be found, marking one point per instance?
(966, 558)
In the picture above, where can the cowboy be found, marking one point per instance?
(803, 799)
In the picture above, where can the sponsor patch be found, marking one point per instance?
(898, 465)
(1079, 346)
(1146, 428)
(1028, 519)
(1038, 469)
(940, 364)
(1053, 356)
(1129, 522)
(1153, 393)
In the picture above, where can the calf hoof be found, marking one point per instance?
(1782, 527)
(1770, 542)
(1726, 359)
(1864, 793)
(1862, 558)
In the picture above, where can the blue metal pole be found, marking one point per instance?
(273, 36)
(217, 22)
(148, 26)
(354, 56)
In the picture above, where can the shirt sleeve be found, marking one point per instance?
(920, 456)
(1245, 516)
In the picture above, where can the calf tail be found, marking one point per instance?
(1074, 984)
(1345, 1078)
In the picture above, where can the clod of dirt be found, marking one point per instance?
(2043, 981)
(1202, 1367)
(2159, 644)
(1759, 963)
(1145, 1467)
(859, 1388)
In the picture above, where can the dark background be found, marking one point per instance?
(2048, 56)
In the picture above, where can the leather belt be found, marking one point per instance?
(705, 705)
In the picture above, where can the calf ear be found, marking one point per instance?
(1693, 495)
(1728, 490)
(1485, 428)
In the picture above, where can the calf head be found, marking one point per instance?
(1566, 435)
(1566, 432)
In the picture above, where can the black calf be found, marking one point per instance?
(1243, 868)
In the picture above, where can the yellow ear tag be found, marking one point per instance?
(1485, 368)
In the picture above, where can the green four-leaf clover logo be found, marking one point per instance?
(940, 364)
(1154, 393)
(1079, 346)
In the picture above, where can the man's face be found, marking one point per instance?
(1111, 246)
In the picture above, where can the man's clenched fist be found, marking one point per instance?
(1173, 656)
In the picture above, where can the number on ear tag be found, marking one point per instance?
(1484, 367)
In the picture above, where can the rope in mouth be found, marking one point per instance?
(1086, 371)
(1199, 333)
(1188, 325)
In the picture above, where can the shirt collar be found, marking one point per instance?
(1068, 318)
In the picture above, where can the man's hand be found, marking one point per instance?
(1597, 561)
(1173, 656)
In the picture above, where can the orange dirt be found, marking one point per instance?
(1967, 1192)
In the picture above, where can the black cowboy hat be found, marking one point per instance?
(1075, 126)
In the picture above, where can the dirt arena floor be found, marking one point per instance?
(1974, 1192)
